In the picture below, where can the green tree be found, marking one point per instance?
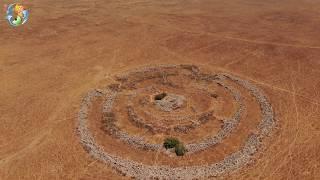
(170, 143)
(180, 149)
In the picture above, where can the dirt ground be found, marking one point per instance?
(70, 47)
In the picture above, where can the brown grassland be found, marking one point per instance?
(71, 46)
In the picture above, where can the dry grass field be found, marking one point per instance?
(70, 47)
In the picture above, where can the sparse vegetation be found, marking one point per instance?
(180, 150)
(178, 146)
(170, 143)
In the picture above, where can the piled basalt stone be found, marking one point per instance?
(170, 102)
(139, 122)
(133, 77)
(192, 68)
(181, 118)
(140, 171)
(108, 120)
(268, 121)
(110, 127)
(228, 124)
(198, 76)
(152, 128)
(203, 119)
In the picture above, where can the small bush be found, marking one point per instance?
(180, 149)
(178, 146)
(170, 143)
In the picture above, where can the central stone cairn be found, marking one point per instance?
(169, 102)
(166, 113)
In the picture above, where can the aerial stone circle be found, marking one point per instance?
(167, 100)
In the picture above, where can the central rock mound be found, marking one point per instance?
(169, 102)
